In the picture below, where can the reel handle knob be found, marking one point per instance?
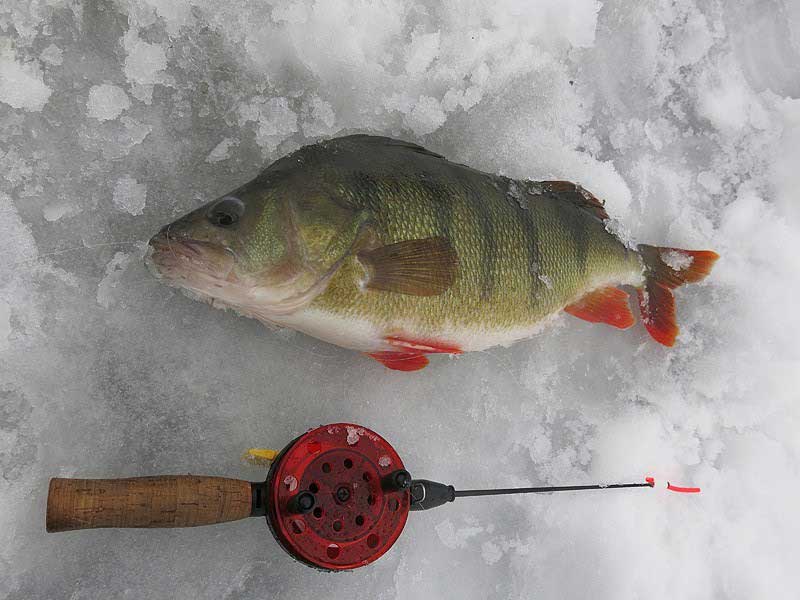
(160, 501)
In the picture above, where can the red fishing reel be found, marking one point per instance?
(337, 497)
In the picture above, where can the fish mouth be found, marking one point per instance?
(177, 259)
(205, 270)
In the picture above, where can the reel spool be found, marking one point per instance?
(337, 497)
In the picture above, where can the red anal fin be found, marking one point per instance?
(422, 346)
(401, 361)
(605, 305)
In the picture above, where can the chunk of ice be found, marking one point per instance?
(130, 196)
(107, 102)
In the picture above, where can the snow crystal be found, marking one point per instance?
(275, 120)
(354, 434)
(107, 102)
(426, 116)
(21, 85)
(130, 196)
(677, 260)
(384, 461)
(319, 118)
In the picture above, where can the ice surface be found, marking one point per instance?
(684, 115)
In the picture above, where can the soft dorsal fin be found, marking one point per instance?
(425, 267)
(575, 194)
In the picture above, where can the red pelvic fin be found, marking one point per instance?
(605, 305)
(422, 346)
(401, 361)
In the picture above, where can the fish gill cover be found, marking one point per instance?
(116, 117)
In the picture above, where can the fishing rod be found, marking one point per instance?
(335, 498)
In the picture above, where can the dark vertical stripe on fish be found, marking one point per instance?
(568, 215)
(534, 253)
(487, 230)
(442, 203)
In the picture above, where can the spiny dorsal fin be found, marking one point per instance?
(378, 140)
(572, 192)
(425, 267)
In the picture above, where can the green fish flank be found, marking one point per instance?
(520, 259)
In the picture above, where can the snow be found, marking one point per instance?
(21, 85)
(354, 434)
(677, 260)
(683, 115)
(107, 102)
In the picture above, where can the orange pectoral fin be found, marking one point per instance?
(605, 305)
(401, 361)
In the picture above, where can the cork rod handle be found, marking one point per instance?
(161, 501)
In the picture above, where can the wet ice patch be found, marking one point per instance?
(5, 324)
(56, 210)
(491, 552)
(221, 151)
(107, 102)
(115, 269)
(129, 195)
(453, 537)
(52, 55)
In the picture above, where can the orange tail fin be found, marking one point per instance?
(666, 269)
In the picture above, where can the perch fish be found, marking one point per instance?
(384, 247)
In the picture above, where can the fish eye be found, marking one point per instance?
(226, 212)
